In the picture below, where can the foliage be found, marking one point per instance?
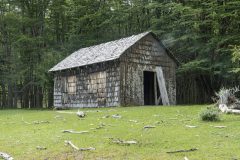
(236, 54)
(210, 114)
(236, 59)
(195, 66)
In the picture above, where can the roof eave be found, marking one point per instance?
(59, 70)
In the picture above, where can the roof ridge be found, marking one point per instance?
(115, 40)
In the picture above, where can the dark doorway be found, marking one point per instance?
(149, 92)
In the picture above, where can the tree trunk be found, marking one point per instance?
(15, 99)
(26, 98)
(3, 95)
(10, 95)
(50, 97)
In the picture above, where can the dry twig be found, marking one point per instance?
(79, 149)
(147, 127)
(183, 150)
(220, 126)
(41, 148)
(119, 141)
(75, 132)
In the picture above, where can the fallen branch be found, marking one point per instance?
(234, 111)
(41, 148)
(79, 149)
(189, 126)
(147, 127)
(72, 145)
(75, 132)
(5, 156)
(87, 149)
(223, 108)
(220, 126)
(183, 150)
(119, 141)
(25, 121)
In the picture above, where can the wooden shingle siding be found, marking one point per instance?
(145, 56)
(97, 86)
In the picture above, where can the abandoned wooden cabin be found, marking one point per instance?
(137, 70)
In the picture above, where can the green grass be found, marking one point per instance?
(20, 139)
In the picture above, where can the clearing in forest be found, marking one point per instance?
(118, 133)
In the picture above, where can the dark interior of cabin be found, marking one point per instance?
(149, 96)
(149, 88)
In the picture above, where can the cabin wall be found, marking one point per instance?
(145, 55)
(97, 85)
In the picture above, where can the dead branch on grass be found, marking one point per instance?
(74, 132)
(183, 150)
(72, 145)
(41, 148)
(190, 126)
(147, 127)
(25, 121)
(77, 148)
(220, 126)
(119, 141)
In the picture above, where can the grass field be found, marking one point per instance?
(19, 135)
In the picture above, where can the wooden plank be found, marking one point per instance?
(162, 86)
(159, 99)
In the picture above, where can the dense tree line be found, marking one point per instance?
(35, 34)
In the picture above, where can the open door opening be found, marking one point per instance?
(151, 89)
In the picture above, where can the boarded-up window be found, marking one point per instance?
(57, 84)
(97, 83)
(71, 86)
(64, 84)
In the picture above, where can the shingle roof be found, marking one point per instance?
(98, 53)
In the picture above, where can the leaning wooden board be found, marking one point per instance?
(162, 86)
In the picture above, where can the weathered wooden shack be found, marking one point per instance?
(136, 70)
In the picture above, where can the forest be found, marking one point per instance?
(204, 35)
